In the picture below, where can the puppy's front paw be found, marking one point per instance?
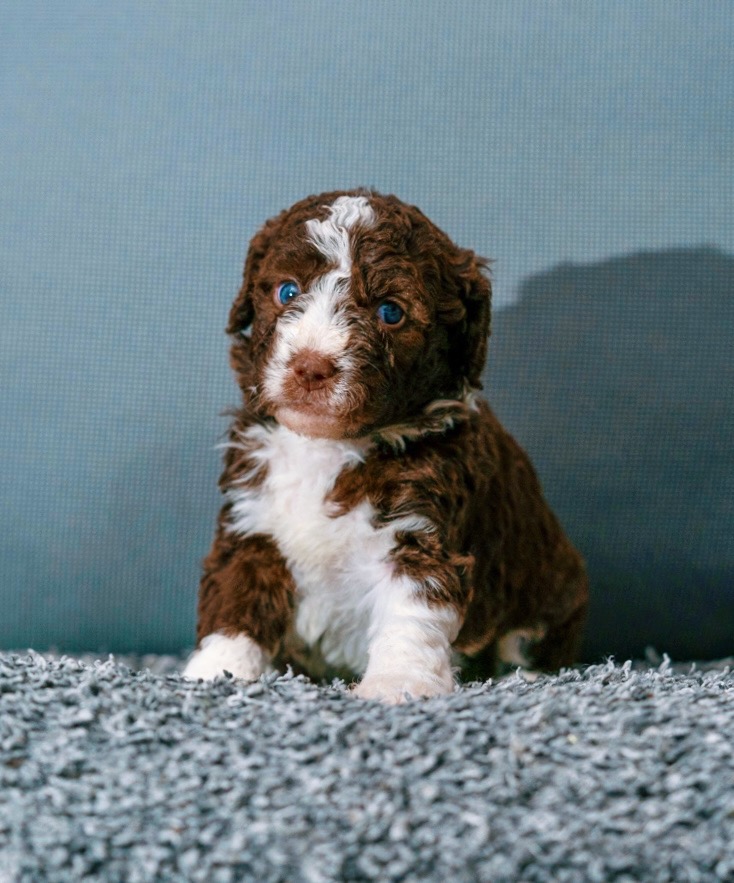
(394, 688)
(239, 655)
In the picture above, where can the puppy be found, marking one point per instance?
(378, 520)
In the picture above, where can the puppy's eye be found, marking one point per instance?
(390, 313)
(286, 291)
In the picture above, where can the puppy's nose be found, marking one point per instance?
(312, 370)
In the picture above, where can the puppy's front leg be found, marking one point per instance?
(409, 647)
(245, 604)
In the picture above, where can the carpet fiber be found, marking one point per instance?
(608, 773)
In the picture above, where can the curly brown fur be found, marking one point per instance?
(379, 518)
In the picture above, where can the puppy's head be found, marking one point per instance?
(356, 312)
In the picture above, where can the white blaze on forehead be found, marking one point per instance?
(331, 236)
(317, 321)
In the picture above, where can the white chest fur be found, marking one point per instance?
(340, 564)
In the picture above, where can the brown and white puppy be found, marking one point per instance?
(379, 522)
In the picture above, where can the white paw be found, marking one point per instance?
(218, 653)
(394, 688)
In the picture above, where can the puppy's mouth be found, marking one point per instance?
(312, 422)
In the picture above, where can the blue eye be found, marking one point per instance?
(287, 291)
(390, 313)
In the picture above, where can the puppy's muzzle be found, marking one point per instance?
(312, 370)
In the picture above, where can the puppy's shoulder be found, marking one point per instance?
(431, 471)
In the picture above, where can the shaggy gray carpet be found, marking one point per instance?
(609, 773)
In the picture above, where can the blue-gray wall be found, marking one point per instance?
(141, 145)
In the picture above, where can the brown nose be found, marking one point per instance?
(312, 370)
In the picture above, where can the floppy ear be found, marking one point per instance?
(243, 311)
(476, 296)
(460, 279)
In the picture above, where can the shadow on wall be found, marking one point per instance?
(617, 378)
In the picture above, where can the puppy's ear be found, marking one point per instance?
(476, 295)
(460, 281)
(243, 310)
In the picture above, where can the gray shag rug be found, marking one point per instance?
(610, 772)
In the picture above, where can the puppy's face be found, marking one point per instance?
(355, 313)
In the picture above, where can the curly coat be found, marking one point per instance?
(379, 521)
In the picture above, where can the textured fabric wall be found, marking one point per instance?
(142, 144)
